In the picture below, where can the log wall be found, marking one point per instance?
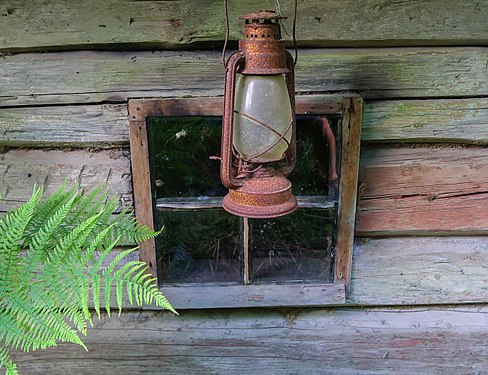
(419, 290)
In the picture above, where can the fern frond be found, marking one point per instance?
(12, 228)
(74, 241)
(37, 326)
(44, 235)
(5, 361)
(46, 208)
(140, 285)
(49, 268)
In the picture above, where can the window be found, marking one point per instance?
(208, 258)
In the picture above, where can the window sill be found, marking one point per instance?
(237, 296)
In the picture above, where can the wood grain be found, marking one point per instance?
(141, 176)
(419, 270)
(205, 202)
(423, 191)
(105, 125)
(404, 190)
(21, 169)
(93, 77)
(187, 24)
(348, 185)
(241, 296)
(391, 271)
(451, 120)
(449, 340)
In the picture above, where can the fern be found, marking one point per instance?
(53, 268)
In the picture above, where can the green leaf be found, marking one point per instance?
(49, 268)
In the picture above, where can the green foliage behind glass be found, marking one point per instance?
(180, 151)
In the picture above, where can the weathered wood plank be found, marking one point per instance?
(404, 191)
(21, 169)
(423, 270)
(393, 272)
(203, 202)
(453, 120)
(178, 24)
(99, 126)
(338, 341)
(348, 189)
(239, 296)
(423, 191)
(140, 109)
(105, 125)
(90, 77)
(141, 176)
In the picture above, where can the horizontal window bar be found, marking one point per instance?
(191, 203)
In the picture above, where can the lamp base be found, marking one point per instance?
(261, 197)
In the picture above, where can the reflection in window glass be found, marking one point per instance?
(311, 173)
(198, 246)
(203, 245)
(182, 151)
(295, 247)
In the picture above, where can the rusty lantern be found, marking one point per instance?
(258, 131)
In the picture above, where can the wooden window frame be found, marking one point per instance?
(350, 107)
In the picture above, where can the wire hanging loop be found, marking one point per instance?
(226, 41)
(294, 27)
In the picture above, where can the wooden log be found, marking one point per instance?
(449, 340)
(419, 270)
(21, 169)
(186, 24)
(93, 77)
(105, 125)
(423, 191)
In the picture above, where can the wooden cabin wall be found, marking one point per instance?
(419, 295)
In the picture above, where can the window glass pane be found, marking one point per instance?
(198, 246)
(316, 141)
(204, 245)
(296, 247)
(180, 150)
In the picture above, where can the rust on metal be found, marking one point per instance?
(227, 171)
(291, 153)
(253, 190)
(264, 50)
(261, 197)
(262, 15)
